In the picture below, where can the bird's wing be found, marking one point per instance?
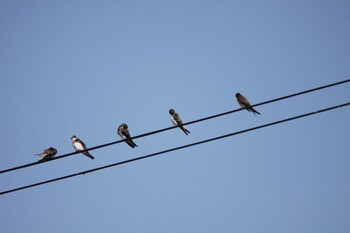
(173, 121)
(177, 118)
(41, 154)
(126, 133)
(244, 101)
(119, 131)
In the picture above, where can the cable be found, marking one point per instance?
(176, 148)
(172, 127)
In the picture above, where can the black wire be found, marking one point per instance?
(172, 127)
(176, 148)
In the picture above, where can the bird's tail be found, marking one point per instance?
(255, 112)
(89, 155)
(186, 131)
(131, 143)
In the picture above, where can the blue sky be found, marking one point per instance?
(84, 67)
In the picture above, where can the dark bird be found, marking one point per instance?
(244, 103)
(47, 154)
(123, 132)
(80, 146)
(176, 120)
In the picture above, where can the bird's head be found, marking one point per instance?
(53, 150)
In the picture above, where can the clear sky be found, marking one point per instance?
(84, 67)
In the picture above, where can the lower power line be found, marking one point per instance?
(175, 148)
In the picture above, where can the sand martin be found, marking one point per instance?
(80, 145)
(176, 119)
(124, 134)
(244, 103)
(47, 154)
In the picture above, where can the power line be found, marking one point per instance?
(175, 148)
(172, 127)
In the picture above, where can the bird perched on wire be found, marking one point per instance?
(123, 132)
(176, 120)
(80, 146)
(244, 103)
(47, 154)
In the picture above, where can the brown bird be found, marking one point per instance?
(176, 120)
(124, 134)
(244, 103)
(80, 146)
(47, 154)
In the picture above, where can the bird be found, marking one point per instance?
(244, 103)
(123, 132)
(79, 145)
(176, 120)
(47, 154)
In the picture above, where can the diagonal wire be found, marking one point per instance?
(172, 127)
(176, 148)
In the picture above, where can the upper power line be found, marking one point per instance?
(172, 127)
(176, 148)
